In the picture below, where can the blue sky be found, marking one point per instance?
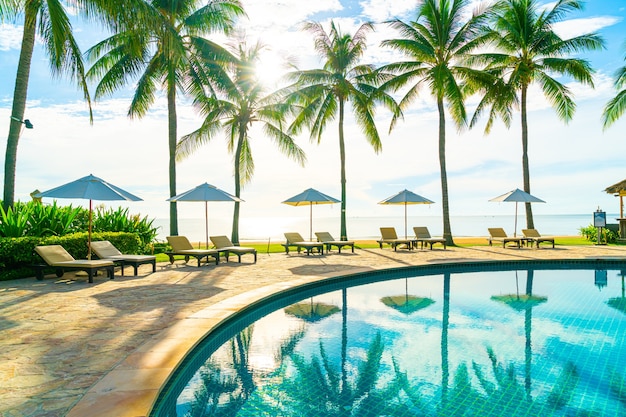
(570, 164)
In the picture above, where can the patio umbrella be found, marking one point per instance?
(406, 197)
(406, 303)
(205, 193)
(89, 188)
(312, 312)
(517, 196)
(308, 198)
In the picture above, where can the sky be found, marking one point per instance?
(570, 164)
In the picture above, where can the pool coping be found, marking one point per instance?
(133, 386)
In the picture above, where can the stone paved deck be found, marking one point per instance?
(103, 349)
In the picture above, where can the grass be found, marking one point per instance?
(372, 244)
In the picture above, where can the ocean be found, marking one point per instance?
(272, 228)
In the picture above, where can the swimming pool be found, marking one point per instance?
(489, 339)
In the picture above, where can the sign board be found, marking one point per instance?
(599, 218)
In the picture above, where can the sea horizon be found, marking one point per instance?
(271, 229)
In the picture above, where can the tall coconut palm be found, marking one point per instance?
(615, 108)
(529, 51)
(49, 20)
(436, 45)
(324, 93)
(158, 49)
(239, 102)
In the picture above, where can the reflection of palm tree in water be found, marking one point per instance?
(445, 373)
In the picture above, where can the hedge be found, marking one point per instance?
(17, 255)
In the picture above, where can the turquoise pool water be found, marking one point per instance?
(490, 340)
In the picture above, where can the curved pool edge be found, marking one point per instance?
(134, 385)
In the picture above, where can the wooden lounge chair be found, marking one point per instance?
(497, 234)
(329, 241)
(107, 251)
(294, 239)
(390, 237)
(533, 236)
(224, 244)
(57, 257)
(181, 246)
(423, 237)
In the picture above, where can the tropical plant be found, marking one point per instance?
(615, 108)
(323, 93)
(120, 220)
(436, 46)
(49, 21)
(528, 51)
(238, 102)
(157, 45)
(13, 221)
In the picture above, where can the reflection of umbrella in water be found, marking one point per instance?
(520, 302)
(517, 196)
(406, 303)
(205, 192)
(89, 188)
(312, 312)
(308, 198)
(406, 197)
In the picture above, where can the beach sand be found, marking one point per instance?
(104, 349)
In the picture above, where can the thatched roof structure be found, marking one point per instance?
(618, 188)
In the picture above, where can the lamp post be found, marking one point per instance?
(26, 122)
(10, 159)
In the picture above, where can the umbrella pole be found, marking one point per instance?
(311, 222)
(405, 235)
(515, 228)
(206, 223)
(89, 231)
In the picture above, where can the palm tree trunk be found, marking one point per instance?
(447, 232)
(530, 224)
(172, 132)
(342, 156)
(235, 232)
(19, 105)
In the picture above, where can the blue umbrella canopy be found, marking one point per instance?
(205, 192)
(307, 198)
(89, 188)
(406, 197)
(517, 196)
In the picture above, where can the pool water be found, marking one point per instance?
(520, 342)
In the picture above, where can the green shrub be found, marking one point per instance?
(18, 254)
(591, 234)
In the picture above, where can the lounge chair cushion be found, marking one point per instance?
(181, 246)
(533, 236)
(390, 237)
(295, 239)
(497, 234)
(56, 256)
(224, 244)
(106, 250)
(422, 236)
(329, 241)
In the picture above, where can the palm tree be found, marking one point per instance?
(240, 101)
(159, 48)
(50, 21)
(614, 109)
(436, 45)
(323, 93)
(529, 51)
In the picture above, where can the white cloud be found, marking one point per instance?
(575, 27)
(10, 37)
